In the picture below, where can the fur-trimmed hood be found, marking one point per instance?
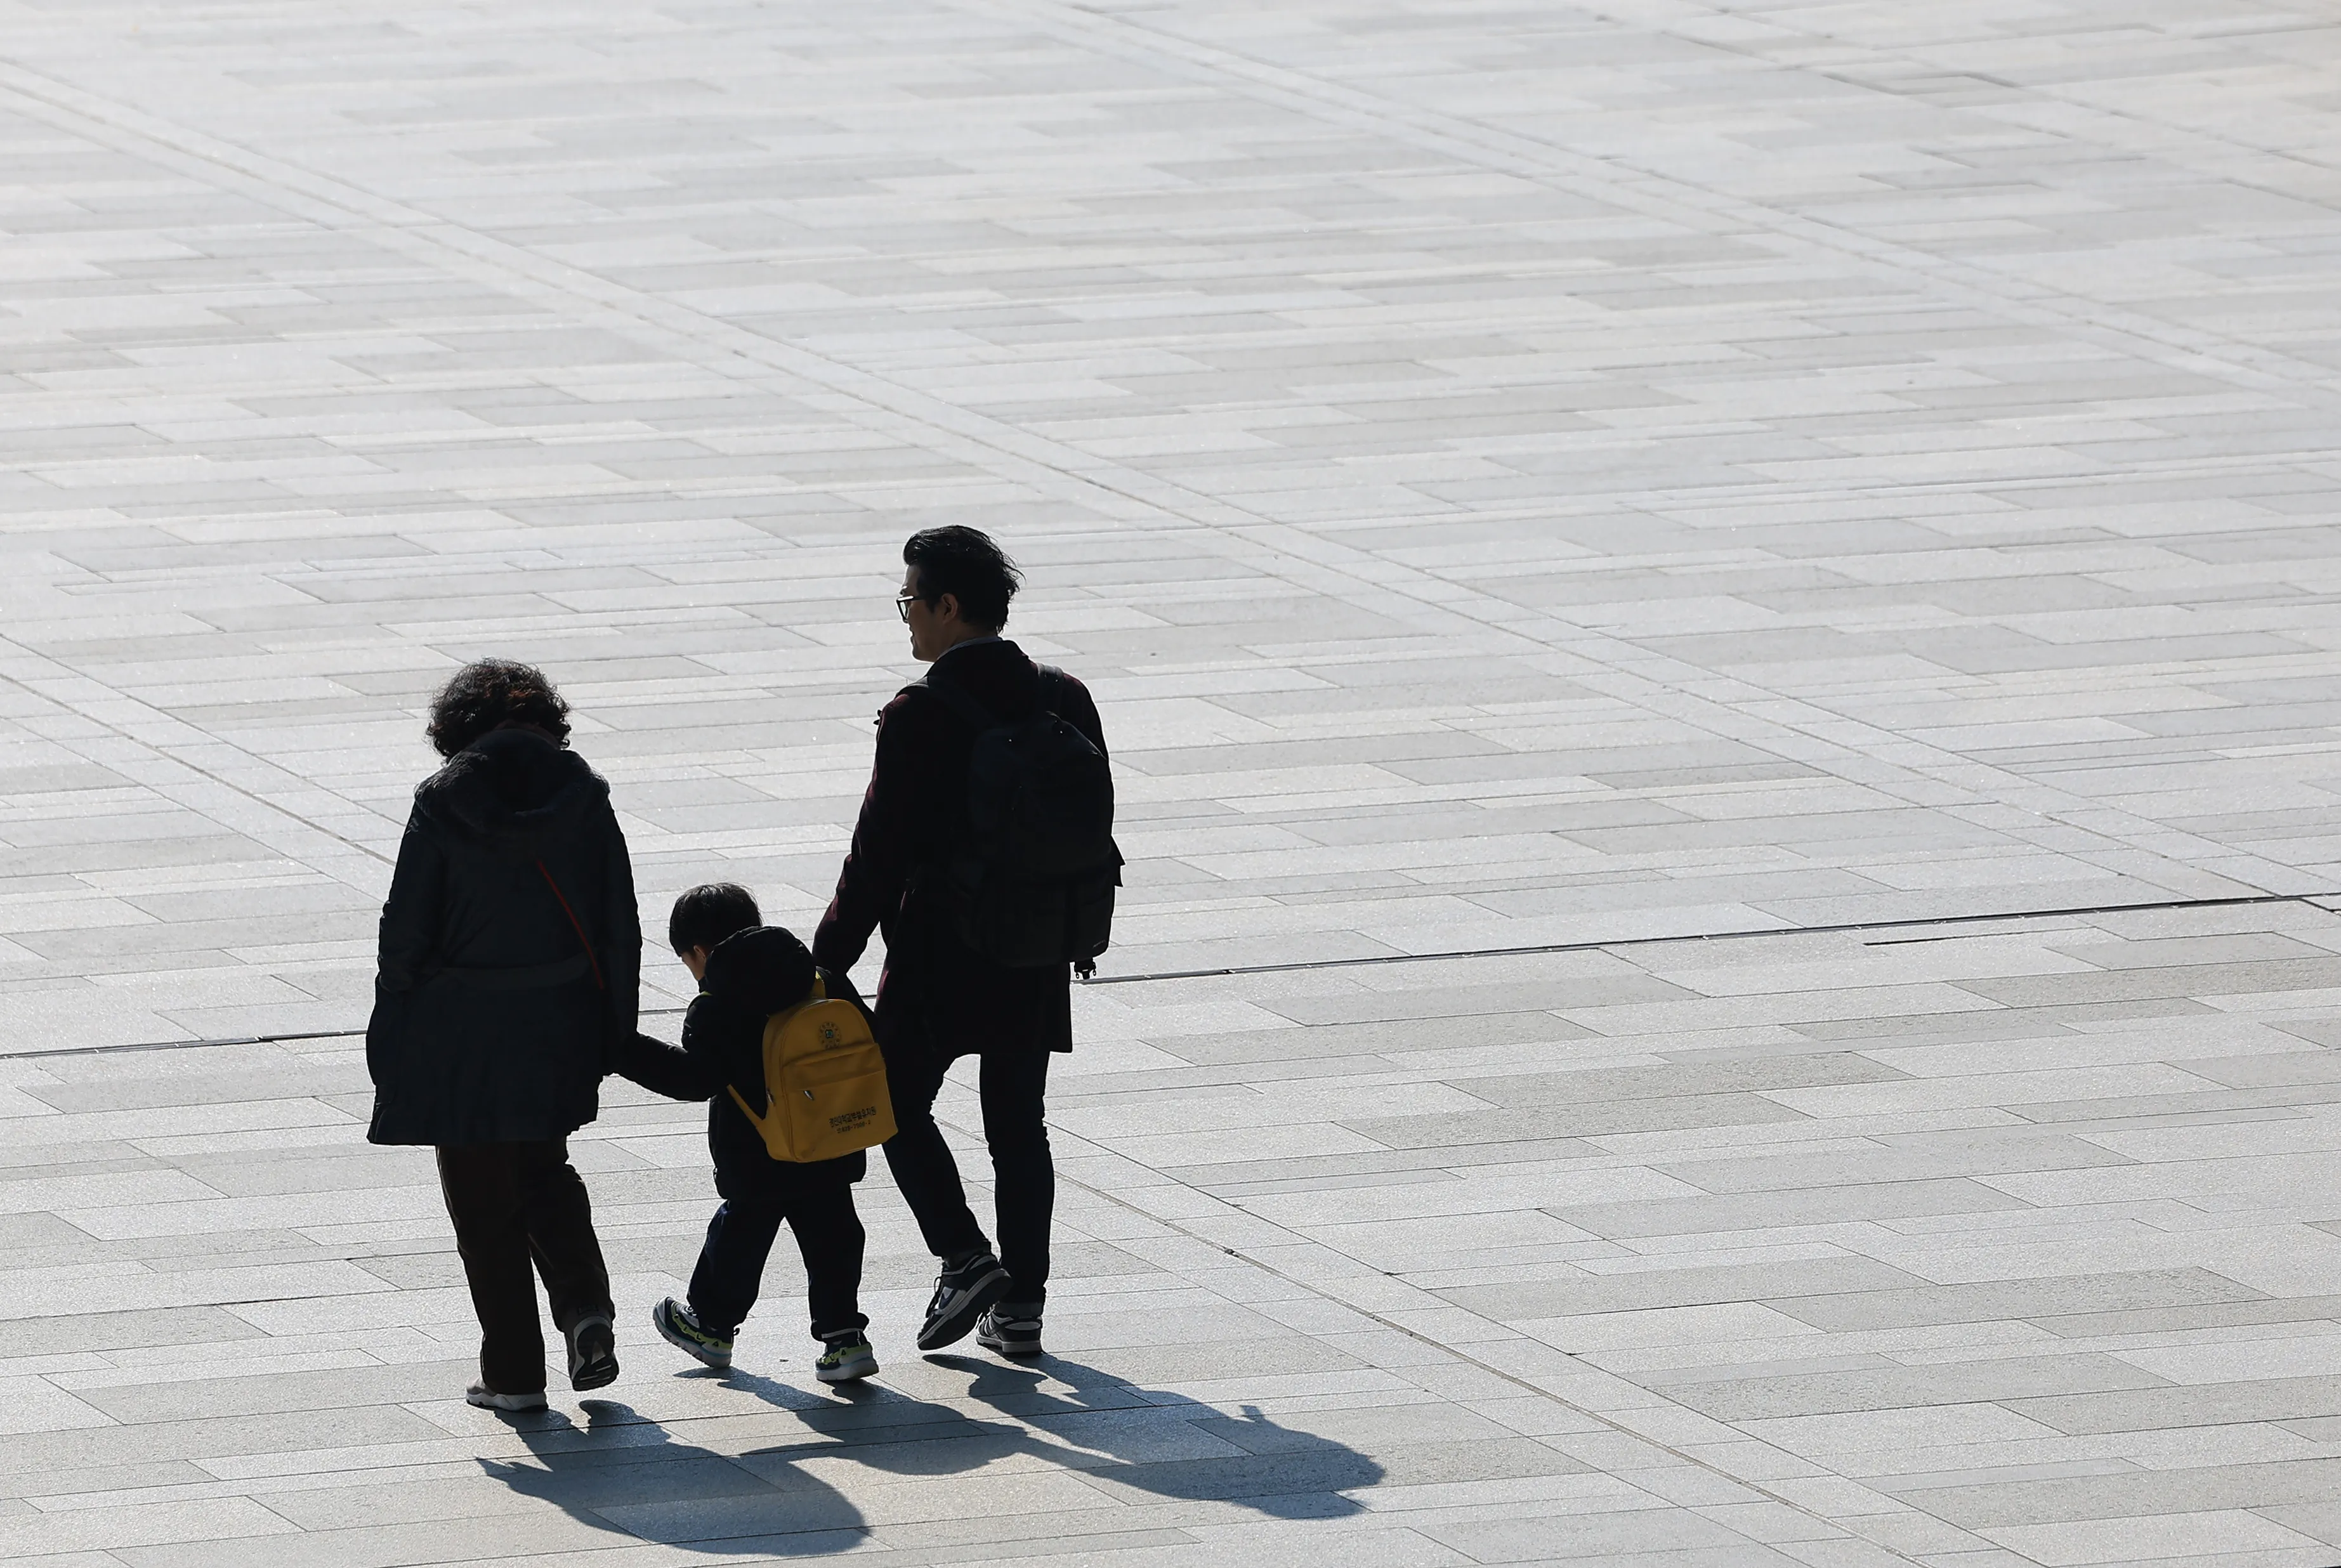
(514, 791)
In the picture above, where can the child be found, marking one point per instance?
(748, 971)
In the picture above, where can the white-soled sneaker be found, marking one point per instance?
(1010, 1329)
(846, 1360)
(961, 1294)
(680, 1328)
(487, 1398)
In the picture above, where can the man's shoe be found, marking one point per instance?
(679, 1329)
(1011, 1329)
(487, 1398)
(592, 1354)
(846, 1359)
(960, 1295)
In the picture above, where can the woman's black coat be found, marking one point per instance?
(490, 1023)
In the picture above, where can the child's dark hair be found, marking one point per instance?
(965, 564)
(489, 692)
(706, 914)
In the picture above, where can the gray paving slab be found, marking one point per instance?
(1514, 478)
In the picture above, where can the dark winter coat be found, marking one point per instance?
(935, 993)
(750, 977)
(491, 1022)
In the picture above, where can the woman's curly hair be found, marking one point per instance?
(488, 693)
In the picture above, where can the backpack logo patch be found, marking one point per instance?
(824, 1081)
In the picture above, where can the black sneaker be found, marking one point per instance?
(592, 1354)
(680, 1327)
(1010, 1328)
(960, 1295)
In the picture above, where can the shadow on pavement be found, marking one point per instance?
(624, 1473)
(623, 1460)
(1112, 1432)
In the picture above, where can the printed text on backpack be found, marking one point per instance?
(824, 1083)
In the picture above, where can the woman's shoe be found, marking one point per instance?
(592, 1354)
(487, 1398)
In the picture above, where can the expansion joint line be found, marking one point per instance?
(2324, 901)
(1838, 929)
(1526, 1385)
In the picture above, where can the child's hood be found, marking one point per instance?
(760, 970)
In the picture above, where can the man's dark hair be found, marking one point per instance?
(706, 914)
(965, 564)
(489, 693)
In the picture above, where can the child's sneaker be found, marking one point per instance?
(848, 1358)
(1009, 1329)
(487, 1398)
(679, 1329)
(960, 1295)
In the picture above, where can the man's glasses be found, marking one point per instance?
(902, 605)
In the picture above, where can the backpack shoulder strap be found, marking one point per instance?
(957, 701)
(1054, 683)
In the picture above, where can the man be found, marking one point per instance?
(939, 999)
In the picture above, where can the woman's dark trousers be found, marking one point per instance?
(731, 1271)
(512, 1204)
(1013, 1088)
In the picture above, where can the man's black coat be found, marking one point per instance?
(935, 993)
(489, 1024)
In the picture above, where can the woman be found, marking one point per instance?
(511, 963)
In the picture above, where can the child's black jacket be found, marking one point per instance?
(750, 977)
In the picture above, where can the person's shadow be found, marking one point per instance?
(623, 1474)
(1123, 1438)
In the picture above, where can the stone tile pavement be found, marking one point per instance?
(1517, 477)
(1999, 1242)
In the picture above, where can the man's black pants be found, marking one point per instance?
(731, 1271)
(513, 1204)
(1014, 1086)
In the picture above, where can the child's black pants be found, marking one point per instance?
(739, 1239)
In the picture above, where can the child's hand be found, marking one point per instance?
(660, 1067)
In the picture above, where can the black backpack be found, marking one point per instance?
(1034, 884)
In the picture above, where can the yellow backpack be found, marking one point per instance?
(824, 1083)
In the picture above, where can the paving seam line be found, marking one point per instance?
(1615, 1424)
(179, 779)
(1797, 728)
(1669, 197)
(1376, 960)
(1382, 960)
(1526, 1384)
